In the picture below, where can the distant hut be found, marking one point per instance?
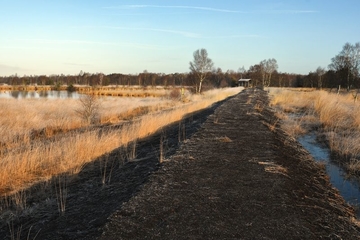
(244, 82)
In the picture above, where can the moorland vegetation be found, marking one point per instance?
(335, 117)
(44, 138)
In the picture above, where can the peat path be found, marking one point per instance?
(235, 176)
(239, 177)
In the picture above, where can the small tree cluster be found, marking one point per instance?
(347, 62)
(267, 67)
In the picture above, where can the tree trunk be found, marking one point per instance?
(348, 80)
(320, 83)
(200, 84)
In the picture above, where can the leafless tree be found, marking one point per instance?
(349, 60)
(320, 72)
(89, 108)
(101, 78)
(241, 71)
(267, 67)
(201, 66)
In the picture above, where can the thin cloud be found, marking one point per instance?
(235, 36)
(143, 46)
(210, 9)
(182, 33)
(62, 41)
(4, 67)
(174, 7)
(65, 41)
(292, 11)
(77, 64)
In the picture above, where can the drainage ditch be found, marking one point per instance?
(348, 186)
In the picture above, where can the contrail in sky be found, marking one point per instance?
(185, 34)
(67, 41)
(210, 9)
(184, 7)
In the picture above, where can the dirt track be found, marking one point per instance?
(236, 177)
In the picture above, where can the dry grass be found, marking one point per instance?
(224, 139)
(39, 161)
(130, 91)
(338, 116)
(22, 120)
(337, 111)
(291, 101)
(353, 166)
(345, 143)
(271, 167)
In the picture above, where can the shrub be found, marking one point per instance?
(70, 88)
(89, 108)
(175, 94)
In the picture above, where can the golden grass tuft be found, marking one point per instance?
(354, 166)
(225, 139)
(290, 101)
(272, 167)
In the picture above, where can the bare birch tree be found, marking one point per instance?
(320, 72)
(267, 67)
(241, 71)
(201, 66)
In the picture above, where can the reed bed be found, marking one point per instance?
(22, 120)
(132, 92)
(44, 159)
(337, 116)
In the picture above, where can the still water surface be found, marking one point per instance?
(39, 94)
(348, 186)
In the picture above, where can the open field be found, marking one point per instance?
(335, 116)
(27, 158)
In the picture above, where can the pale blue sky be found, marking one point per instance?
(66, 36)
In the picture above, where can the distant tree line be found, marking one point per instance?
(343, 71)
(217, 78)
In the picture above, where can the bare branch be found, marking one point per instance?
(89, 108)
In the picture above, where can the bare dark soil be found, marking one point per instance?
(236, 176)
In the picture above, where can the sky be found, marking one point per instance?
(129, 36)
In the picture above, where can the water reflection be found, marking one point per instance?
(349, 187)
(39, 94)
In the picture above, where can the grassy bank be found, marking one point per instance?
(335, 116)
(21, 167)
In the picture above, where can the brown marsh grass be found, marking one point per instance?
(338, 116)
(133, 91)
(20, 120)
(41, 160)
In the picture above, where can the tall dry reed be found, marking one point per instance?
(39, 162)
(22, 120)
(337, 115)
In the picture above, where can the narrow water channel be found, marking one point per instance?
(349, 187)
